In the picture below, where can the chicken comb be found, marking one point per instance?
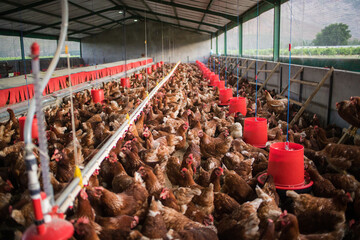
(184, 170)
(8, 182)
(349, 196)
(283, 214)
(83, 220)
(270, 220)
(191, 156)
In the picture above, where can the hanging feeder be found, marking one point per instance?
(34, 128)
(148, 70)
(153, 67)
(286, 165)
(220, 85)
(138, 76)
(211, 75)
(213, 79)
(237, 104)
(125, 82)
(97, 95)
(58, 229)
(255, 131)
(158, 64)
(225, 96)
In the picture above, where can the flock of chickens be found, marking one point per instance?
(183, 171)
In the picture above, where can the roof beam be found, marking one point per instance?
(8, 32)
(147, 6)
(175, 12)
(29, 22)
(91, 11)
(227, 16)
(24, 7)
(207, 8)
(70, 19)
(175, 25)
(170, 16)
(39, 11)
(102, 25)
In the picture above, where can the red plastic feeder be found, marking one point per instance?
(153, 67)
(97, 95)
(237, 104)
(138, 76)
(220, 85)
(148, 70)
(225, 96)
(34, 128)
(286, 165)
(162, 62)
(125, 82)
(213, 79)
(58, 229)
(255, 131)
(158, 64)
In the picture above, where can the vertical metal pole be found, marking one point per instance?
(24, 62)
(217, 44)
(330, 98)
(240, 38)
(80, 49)
(225, 41)
(276, 46)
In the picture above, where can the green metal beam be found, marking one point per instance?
(7, 32)
(225, 42)
(91, 11)
(70, 19)
(22, 47)
(39, 11)
(102, 25)
(276, 47)
(175, 25)
(240, 38)
(207, 8)
(217, 45)
(227, 16)
(32, 5)
(170, 16)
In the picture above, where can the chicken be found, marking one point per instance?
(268, 209)
(278, 106)
(290, 230)
(236, 130)
(348, 111)
(152, 183)
(237, 187)
(312, 211)
(322, 187)
(84, 230)
(168, 199)
(242, 223)
(154, 225)
(214, 147)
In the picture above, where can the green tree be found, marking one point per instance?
(332, 35)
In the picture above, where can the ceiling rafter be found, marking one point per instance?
(147, 6)
(24, 7)
(175, 12)
(170, 16)
(40, 11)
(196, 9)
(70, 19)
(207, 8)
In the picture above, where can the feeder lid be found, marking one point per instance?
(57, 229)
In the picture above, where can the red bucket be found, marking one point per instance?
(287, 166)
(220, 85)
(153, 67)
(34, 128)
(138, 76)
(225, 96)
(238, 104)
(125, 82)
(148, 70)
(162, 62)
(97, 95)
(213, 79)
(211, 76)
(158, 64)
(255, 131)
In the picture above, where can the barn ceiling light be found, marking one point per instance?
(120, 12)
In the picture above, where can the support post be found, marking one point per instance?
(225, 41)
(240, 38)
(22, 50)
(217, 44)
(276, 47)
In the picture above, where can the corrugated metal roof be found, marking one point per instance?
(92, 16)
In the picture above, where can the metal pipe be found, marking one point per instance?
(52, 66)
(72, 190)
